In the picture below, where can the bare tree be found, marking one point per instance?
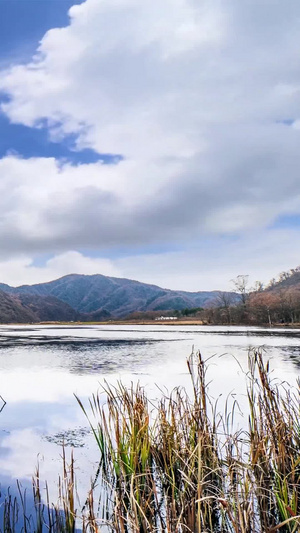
(241, 286)
(263, 305)
(258, 287)
(272, 283)
(225, 301)
(283, 276)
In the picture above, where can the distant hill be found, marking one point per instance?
(27, 308)
(286, 280)
(47, 308)
(12, 311)
(102, 296)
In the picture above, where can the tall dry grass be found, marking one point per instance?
(176, 466)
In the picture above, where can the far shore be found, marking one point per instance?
(180, 322)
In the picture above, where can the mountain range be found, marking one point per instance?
(97, 297)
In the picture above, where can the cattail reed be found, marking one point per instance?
(176, 466)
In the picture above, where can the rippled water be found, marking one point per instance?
(42, 367)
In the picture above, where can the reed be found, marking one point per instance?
(176, 466)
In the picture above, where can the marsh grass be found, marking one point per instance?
(177, 466)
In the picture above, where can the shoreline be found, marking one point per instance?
(189, 322)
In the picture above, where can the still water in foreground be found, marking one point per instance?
(42, 368)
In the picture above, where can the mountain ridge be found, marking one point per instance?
(90, 294)
(27, 308)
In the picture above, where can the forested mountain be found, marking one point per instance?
(286, 280)
(277, 303)
(95, 298)
(103, 296)
(27, 308)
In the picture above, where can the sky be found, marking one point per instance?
(158, 141)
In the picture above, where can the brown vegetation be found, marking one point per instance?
(177, 466)
(278, 303)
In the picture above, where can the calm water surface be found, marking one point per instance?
(42, 367)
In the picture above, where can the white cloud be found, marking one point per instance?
(21, 270)
(146, 78)
(212, 265)
(209, 265)
(192, 94)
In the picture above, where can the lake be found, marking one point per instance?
(43, 366)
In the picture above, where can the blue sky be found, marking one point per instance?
(30, 142)
(156, 141)
(24, 22)
(22, 25)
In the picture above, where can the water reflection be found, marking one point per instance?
(42, 367)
